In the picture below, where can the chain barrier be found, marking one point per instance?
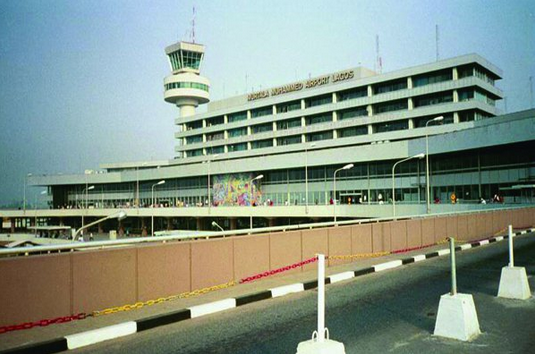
(43, 323)
(160, 300)
(360, 255)
(277, 271)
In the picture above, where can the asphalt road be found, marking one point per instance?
(387, 312)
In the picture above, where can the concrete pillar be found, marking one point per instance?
(455, 74)
(274, 109)
(369, 108)
(370, 91)
(455, 96)
(409, 82)
(411, 104)
(370, 129)
(233, 223)
(169, 224)
(248, 114)
(225, 119)
(411, 123)
(303, 106)
(334, 97)
(455, 117)
(199, 224)
(335, 116)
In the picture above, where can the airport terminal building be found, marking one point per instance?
(286, 148)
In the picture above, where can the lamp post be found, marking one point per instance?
(24, 191)
(85, 191)
(419, 156)
(152, 213)
(35, 211)
(209, 187)
(346, 167)
(214, 224)
(306, 176)
(251, 202)
(119, 216)
(437, 119)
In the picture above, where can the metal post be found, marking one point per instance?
(511, 256)
(321, 298)
(453, 267)
(306, 181)
(428, 203)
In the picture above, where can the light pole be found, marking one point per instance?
(419, 156)
(24, 191)
(85, 191)
(214, 224)
(152, 213)
(346, 167)
(209, 189)
(119, 216)
(437, 119)
(306, 176)
(35, 211)
(251, 196)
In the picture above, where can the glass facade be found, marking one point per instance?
(288, 124)
(187, 85)
(185, 59)
(390, 86)
(352, 113)
(353, 93)
(236, 117)
(432, 78)
(261, 128)
(288, 106)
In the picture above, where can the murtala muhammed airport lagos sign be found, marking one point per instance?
(298, 86)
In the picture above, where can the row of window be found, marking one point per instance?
(185, 59)
(190, 85)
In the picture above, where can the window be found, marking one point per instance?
(236, 117)
(353, 131)
(215, 136)
(432, 78)
(288, 124)
(215, 121)
(233, 133)
(421, 121)
(288, 106)
(465, 71)
(237, 147)
(319, 118)
(289, 140)
(187, 85)
(260, 128)
(390, 86)
(194, 139)
(353, 93)
(215, 150)
(259, 144)
(194, 125)
(391, 126)
(320, 136)
(352, 113)
(433, 99)
(390, 106)
(260, 112)
(466, 94)
(193, 153)
(318, 100)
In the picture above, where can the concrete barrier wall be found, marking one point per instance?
(47, 286)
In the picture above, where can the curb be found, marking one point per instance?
(82, 339)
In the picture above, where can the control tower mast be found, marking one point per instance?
(185, 87)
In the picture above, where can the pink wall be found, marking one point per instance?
(47, 286)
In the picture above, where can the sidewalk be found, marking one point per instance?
(244, 293)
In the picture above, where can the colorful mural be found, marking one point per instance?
(235, 190)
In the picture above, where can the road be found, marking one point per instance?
(387, 312)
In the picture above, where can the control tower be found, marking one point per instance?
(185, 87)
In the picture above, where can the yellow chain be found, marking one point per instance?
(139, 305)
(361, 255)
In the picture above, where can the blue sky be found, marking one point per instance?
(81, 82)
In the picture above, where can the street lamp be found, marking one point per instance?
(306, 176)
(119, 216)
(214, 224)
(437, 119)
(35, 211)
(209, 187)
(346, 167)
(152, 214)
(85, 191)
(24, 199)
(251, 196)
(419, 156)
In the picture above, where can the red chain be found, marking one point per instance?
(43, 323)
(278, 270)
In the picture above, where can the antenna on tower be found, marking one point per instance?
(193, 26)
(379, 62)
(436, 39)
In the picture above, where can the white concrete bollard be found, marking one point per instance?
(513, 281)
(457, 316)
(320, 343)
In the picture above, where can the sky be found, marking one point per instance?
(81, 82)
